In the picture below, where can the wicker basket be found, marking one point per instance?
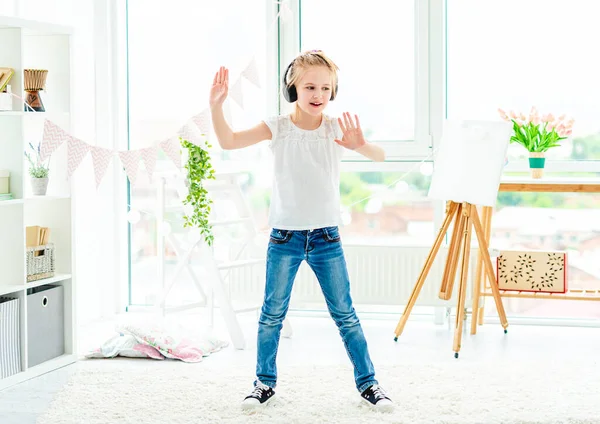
(40, 262)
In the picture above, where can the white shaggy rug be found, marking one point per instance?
(445, 391)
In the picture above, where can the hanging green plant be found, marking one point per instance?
(199, 169)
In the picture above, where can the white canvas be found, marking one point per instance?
(468, 165)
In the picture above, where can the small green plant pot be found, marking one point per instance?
(537, 161)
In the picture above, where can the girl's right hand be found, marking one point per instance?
(220, 87)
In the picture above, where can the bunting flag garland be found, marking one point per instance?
(195, 130)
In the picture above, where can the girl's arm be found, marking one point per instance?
(371, 151)
(228, 139)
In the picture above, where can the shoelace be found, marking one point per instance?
(378, 393)
(258, 390)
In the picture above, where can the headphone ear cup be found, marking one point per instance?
(290, 93)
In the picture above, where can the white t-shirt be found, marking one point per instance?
(306, 182)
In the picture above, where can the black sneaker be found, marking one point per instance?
(260, 396)
(377, 399)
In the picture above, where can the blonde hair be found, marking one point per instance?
(310, 59)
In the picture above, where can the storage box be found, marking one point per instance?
(4, 181)
(532, 271)
(45, 324)
(40, 262)
(10, 337)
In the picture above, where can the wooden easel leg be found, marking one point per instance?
(453, 255)
(451, 210)
(489, 269)
(464, 272)
(487, 228)
(477, 281)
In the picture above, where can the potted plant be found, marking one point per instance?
(38, 170)
(537, 134)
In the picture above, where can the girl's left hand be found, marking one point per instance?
(353, 137)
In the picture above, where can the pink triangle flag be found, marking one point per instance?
(130, 160)
(101, 158)
(187, 132)
(172, 150)
(202, 121)
(76, 151)
(53, 137)
(149, 159)
(251, 73)
(235, 92)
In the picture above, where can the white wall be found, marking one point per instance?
(96, 244)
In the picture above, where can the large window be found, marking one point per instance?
(387, 208)
(518, 54)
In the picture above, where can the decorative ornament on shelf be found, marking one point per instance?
(38, 170)
(538, 133)
(34, 82)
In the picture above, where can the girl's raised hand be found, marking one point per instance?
(353, 137)
(220, 87)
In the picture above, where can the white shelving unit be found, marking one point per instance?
(36, 45)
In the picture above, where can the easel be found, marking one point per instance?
(465, 215)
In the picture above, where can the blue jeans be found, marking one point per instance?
(322, 250)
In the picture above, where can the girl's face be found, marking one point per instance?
(314, 89)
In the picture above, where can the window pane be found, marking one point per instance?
(386, 208)
(173, 54)
(517, 54)
(374, 47)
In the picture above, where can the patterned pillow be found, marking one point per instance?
(172, 345)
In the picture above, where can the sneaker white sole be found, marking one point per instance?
(246, 406)
(387, 407)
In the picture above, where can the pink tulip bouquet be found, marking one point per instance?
(538, 133)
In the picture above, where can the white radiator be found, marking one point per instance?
(379, 275)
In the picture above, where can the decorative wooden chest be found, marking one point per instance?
(532, 271)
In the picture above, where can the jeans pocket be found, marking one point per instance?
(331, 234)
(280, 236)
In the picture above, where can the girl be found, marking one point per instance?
(304, 213)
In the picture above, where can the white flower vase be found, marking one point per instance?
(39, 186)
